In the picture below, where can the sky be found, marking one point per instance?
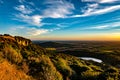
(61, 19)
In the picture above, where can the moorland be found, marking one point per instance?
(23, 59)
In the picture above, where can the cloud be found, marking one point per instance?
(57, 28)
(101, 1)
(108, 1)
(37, 19)
(30, 31)
(115, 25)
(105, 10)
(33, 20)
(21, 1)
(54, 9)
(18, 27)
(100, 27)
(90, 8)
(58, 9)
(35, 32)
(96, 7)
(24, 9)
(25, 15)
(95, 11)
(89, 0)
(26, 2)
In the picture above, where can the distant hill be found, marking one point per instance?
(53, 44)
(20, 59)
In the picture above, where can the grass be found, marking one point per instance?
(12, 55)
(51, 49)
(10, 72)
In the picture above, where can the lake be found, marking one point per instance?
(91, 58)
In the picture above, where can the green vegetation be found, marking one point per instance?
(20, 59)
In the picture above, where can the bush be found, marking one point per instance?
(12, 55)
(63, 68)
(44, 69)
(90, 75)
(111, 70)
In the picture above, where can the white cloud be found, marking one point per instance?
(98, 11)
(35, 32)
(58, 9)
(115, 25)
(101, 1)
(33, 20)
(96, 8)
(27, 2)
(89, 0)
(21, 1)
(108, 1)
(57, 28)
(105, 10)
(100, 27)
(24, 9)
(37, 20)
(54, 9)
(30, 31)
(90, 8)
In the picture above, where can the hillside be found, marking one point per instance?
(50, 44)
(20, 59)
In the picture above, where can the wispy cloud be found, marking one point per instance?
(96, 11)
(96, 8)
(24, 9)
(21, 1)
(104, 10)
(35, 32)
(37, 20)
(33, 20)
(101, 1)
(100, 27)
(58, 9)
(108, 1)
(54, 9)
(27, 2)
(28, 31)
(89, 0)
(115, 25)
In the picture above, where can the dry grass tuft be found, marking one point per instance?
(9, 72)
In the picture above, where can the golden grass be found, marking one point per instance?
(9, 72)
(51, 49)
(8, 37)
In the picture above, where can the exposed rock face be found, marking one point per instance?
(17, 39)
(22, 41)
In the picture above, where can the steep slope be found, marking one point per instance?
(22, 59)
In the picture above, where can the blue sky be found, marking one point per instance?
(61, 19)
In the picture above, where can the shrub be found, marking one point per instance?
(12, 55)
(63, 68)
(90, 75)
(44, 69)
(111, 70)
